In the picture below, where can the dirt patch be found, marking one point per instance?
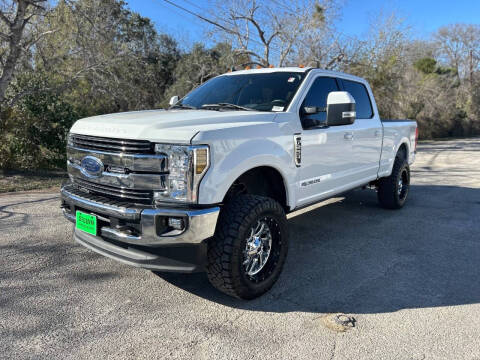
(12, 181)
(338, 322)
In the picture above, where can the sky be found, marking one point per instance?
(424, 16)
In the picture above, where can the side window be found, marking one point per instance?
(317, 95)
(362, 100)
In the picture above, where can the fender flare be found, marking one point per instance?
(230, 165)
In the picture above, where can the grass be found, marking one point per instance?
(11, 181)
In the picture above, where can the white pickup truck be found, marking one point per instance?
(206, 184)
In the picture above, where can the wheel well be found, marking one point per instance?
(263, 181)
(403, 151)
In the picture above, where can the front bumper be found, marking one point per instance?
(139, 235)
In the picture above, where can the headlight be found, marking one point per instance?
(187, 165)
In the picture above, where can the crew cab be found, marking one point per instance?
(205, 185)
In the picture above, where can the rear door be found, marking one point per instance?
(327, 158)
(368, 132)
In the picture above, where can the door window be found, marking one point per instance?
(359, 92)
(317, 96)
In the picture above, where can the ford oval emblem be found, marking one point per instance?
(91, 166)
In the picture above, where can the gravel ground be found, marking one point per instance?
(410, 278)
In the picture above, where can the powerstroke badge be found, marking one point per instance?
(297, 149)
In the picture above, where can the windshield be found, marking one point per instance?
(261, 92)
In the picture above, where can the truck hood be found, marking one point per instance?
(173, 126)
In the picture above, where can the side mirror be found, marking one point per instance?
(312, 110)
(173, 100)
(309, 122)
(340, 108)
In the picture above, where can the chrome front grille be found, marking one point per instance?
(112, 145)
(131, 170)
(133, 195)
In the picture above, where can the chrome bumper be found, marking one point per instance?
(146, 222)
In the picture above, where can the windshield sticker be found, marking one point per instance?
(277, 108)
(291, 79)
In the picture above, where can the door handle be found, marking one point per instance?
(378, 133)
(348, 136)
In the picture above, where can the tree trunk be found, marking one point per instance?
(15, 47)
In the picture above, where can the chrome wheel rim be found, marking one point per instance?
(257, 248)
(400, 186)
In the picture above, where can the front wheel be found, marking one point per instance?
(247, 253)
(393, 190)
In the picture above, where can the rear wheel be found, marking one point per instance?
(393, 190)
(247, 253)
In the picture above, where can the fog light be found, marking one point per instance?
(176, 223)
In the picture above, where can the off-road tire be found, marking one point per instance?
(388, 189)
(226, 249)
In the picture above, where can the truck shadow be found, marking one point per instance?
(351, 256)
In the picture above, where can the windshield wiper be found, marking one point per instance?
(225, 106)
(182, 106)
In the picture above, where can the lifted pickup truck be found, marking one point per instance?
(206, 184)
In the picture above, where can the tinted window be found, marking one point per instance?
(317, 95)
(264, 92)
(362, 100)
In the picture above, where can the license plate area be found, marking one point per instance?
(86, 222)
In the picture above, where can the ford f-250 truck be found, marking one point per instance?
(206, 184)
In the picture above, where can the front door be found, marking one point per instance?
(327, 159)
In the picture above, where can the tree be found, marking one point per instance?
(100, 58)
(16, 35)
(198, 66)
(272, 32)
(383, 60)
(110, 57)
(458, 45)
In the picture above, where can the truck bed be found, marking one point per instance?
(395, 132)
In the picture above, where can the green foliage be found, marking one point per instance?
(425, 65)
(319, 14)
(34, 133)
(446, 71)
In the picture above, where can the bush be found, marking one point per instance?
(425, 65)
(34, 130)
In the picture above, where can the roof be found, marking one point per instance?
(270, 70)
(294, 69)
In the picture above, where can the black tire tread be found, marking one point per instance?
(233, 219)
(387, 185)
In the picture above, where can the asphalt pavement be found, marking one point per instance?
(409, 278)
